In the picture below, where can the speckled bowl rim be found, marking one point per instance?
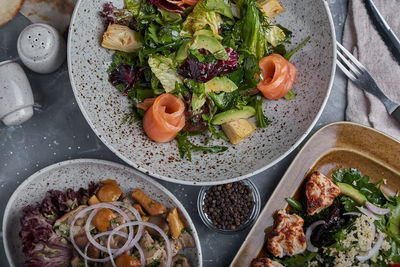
(62, 164)
(198, 183)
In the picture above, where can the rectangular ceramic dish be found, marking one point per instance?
(336, 146)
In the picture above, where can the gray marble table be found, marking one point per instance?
(58, 132)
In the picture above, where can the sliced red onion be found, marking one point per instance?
(142, 257)
(368, 213)
(310, 229)
(373, 250)
(139, 248)
(376, 210)
(85, 210)
(352, 213)
(89, 220)
(155, 227)
(97, 236)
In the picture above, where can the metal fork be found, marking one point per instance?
(357, 73)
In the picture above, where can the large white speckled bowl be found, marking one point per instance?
(104, 107)
(75, 174)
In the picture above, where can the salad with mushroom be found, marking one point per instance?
(343, 221)
(101, 226)
(194, 67)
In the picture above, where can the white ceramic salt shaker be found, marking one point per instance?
(41, 48)
(16, 99)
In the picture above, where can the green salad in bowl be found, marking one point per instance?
(199, 67)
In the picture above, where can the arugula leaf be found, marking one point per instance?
(298, 260)
(291, 53)
(185, 146)
(211, 127)
(250, 67)
(290, 95)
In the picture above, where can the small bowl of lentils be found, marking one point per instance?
(228, 208)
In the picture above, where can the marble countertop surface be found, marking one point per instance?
(58, 132)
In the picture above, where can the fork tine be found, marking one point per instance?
(348, 64)
(351, 57)
(345, 71)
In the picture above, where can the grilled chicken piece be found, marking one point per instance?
(287, 237)
(264, 262)
(320, 192)
(160, 222)
(62, 225)
(152, 249)
(185, 240)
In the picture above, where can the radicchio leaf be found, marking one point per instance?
(125, 74)
(169, 6)
(205, 71)
(113, 15)
(56, 203)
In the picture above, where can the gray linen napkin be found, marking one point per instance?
(361, 37)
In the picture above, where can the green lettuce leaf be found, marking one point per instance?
(274, 35)
(201, 18)
(393, 225)
(165, 71)
(133, 6)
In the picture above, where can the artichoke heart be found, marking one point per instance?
(122, 38)
(270, 8)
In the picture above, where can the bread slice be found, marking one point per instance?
(8, 10)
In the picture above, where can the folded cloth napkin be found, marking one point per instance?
(361, 37)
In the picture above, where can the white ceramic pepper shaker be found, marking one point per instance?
(41, 48)
(16, 99)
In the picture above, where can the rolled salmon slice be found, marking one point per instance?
(165, 118)
(278, 76)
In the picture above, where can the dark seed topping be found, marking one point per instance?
(228, 206)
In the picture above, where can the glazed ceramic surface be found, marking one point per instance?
(41, 48)
(339, 145)
(16, 99)
(104, 107)
(76, 174)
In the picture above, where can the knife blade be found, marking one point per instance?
(384, 29)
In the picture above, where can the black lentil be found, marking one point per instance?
(228, 206)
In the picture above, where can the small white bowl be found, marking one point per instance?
(41, 48)
(16, 99)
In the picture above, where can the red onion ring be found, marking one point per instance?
(155, 227)
(93, 241)
(376, 210)
(368, 213)
(310, 229)
(83, 211)
(139, 248)
(374, 249)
